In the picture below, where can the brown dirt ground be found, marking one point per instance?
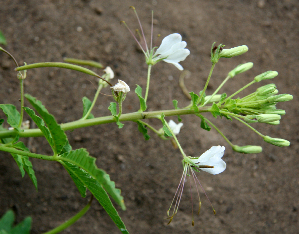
(256, 193)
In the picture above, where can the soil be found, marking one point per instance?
(257, 193)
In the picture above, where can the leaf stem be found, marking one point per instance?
(72, 220)
(207, 82)
(148, 81)
(93, 102)
(22, 101)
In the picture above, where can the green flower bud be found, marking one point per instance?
(276, 111)
(277, 122)
(266, 89)
(265, 118)
(280, 98)
(248, 149)
(236, 51)
(239, 69)
(216, 98)
(266, 75)
(276, 141)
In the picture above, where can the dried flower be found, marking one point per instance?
(121, 86)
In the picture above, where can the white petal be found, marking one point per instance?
(179, 55)
(217, 151)
(178, 66)
(218, 168)
(110, 72)
(121, 86)
(174, 49)
(168, 42)
(175, 127)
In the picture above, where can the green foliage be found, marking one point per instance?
(81, 158)
(13, 116)
(138, 91)
(84, 180)
(7, 221)
(55, 135)
(113, 110)
(175, 104)
(1, 121)
(86, 106)
(215, 110)
(2, 39)
(223, 96)
(194, 100)
(203, 123)
(165, 128)
(143, 130)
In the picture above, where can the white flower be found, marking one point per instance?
(175, 127)
(172, 50)
(211, 157)
(121, 86)
(109, 72)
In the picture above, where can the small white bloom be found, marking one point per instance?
(172, 50)
(121, 86)
(211, 157)
(175, 127)
(109, 72)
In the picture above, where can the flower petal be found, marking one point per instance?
(217, 151)
(168, 42)
(174, 49)
(175, 127)
(178, 66)
(179, 55)
(218, 168)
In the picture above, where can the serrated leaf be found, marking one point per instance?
(143, 130)
(86, 106)
(203, 123)
(175, 104)
(138, 91)
(60, 141)
(97, 190)
(165, 128)
(2, 39)
(29, 169)
(13, 115)
(112, 108)
(222, 98)
(7, 220)
(81, 158)
(202, 101)
(19, 161)
(215, 110)
(119, 124)
(194, 100)
(74, 173)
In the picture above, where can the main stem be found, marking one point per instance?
(148, 81)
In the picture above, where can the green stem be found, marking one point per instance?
(120, 105)
(152, 128)
(252, 82)
(148, 81)
(71, 220)
(176, 140)
(93, 102)
(61, 65)
(84, 62)
(106, 119)
(25, 153)
(228, 141)
(216, 91)
(252, 128)
(207, 82)
(22, 101)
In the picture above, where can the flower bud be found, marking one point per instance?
(239, 69)
(281, 98)
(109, 72)
(277, 122)
(278, 112)
(276, 141)
(266, 75)
(265, 118)
(216, 98)
(248, 149)
(266, 89)
(236, 51)
(121, 86)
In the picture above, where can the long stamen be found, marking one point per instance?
(206, 195)
(140, 26)
(199, 201)
(191, 198)
(133, 36)
(152, 30)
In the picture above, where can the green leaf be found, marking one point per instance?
(203, 123)
(60, 141)
(7, 221)
(215, 110)
(194, 100)
(165, 128)
(81, 158)
(1, 121)
(119, 124)
(86, 106)
(143, 130)
(97, 190)
(175, 104)
(223, 96)
(13, 116)
(19, 161)
(138, 91)
(2, 39)
(112, 108)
